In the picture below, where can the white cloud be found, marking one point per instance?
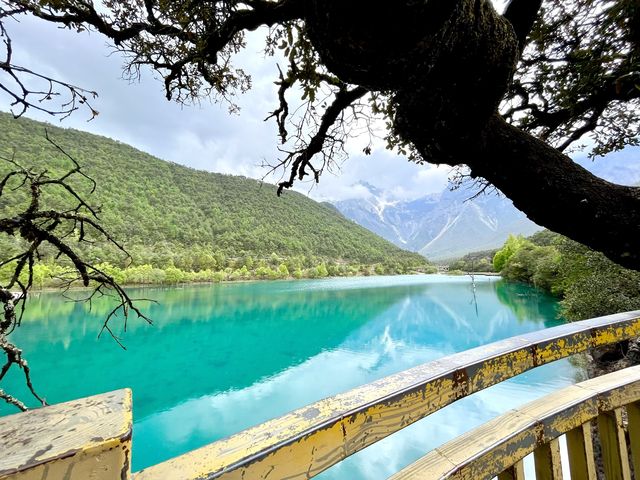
(402, 179)
(205, 136)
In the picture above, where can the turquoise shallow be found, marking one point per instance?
(221, 358)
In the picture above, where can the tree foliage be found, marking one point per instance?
(579, 75)
(481, 261)
(589, 284)
(502, 256)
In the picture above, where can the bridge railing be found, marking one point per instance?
(605, 404)
(307, 441)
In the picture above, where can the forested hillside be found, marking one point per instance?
(168, 215)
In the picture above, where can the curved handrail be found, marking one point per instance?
(497, 447)
(307, 441)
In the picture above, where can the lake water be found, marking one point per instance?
(221, 358)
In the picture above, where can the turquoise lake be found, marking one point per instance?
(221, 358)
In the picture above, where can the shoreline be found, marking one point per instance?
(80, 288)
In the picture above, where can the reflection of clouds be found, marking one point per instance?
(326, 374)
(442, 316)
(386, 457)
(389, 345)
(342, 283)
(202, 420)
(499, 320)
(458, 320)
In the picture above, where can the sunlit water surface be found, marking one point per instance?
(221, 358)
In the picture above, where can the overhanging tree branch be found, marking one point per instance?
(579, 76)
(189, 44)
(297, 162)
(28, 89)
(38, 227)
(556, 192)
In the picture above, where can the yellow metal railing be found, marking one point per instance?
(498, 447)
(307, 441)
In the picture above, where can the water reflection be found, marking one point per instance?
(221, 358)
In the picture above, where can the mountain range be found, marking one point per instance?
(167, 213)
(440, 226)
(451, 223)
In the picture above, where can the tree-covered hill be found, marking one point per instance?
(170, 215)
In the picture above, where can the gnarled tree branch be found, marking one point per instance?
(297, 162)
(189, 44)
(37, 226)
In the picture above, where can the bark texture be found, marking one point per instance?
(556, 192)
(448, 64)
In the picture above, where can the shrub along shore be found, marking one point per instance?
(52, 275)
(588, 283)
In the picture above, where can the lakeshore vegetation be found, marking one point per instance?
(183, 225)
(588, 283)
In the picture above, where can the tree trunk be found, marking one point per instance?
(559, 194)
(552, 190)
(447, 64)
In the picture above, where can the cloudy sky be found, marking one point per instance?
(202, 136)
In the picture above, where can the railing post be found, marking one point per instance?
(614, 446)
(581, 458)
(547, 461)
(633, 416)
(513, 473)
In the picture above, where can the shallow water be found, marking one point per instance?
(221, 358)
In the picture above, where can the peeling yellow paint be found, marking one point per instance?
(86, 439)
(494, 447)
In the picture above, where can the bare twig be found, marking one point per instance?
(28, 89)
(38, 226)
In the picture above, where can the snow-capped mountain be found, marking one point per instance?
(448, 224)
(439, 226)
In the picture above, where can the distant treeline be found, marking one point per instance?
(481, 261)
(53, 274)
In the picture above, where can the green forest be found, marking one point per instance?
(481, 261)
(183, 225)
(588, 283)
